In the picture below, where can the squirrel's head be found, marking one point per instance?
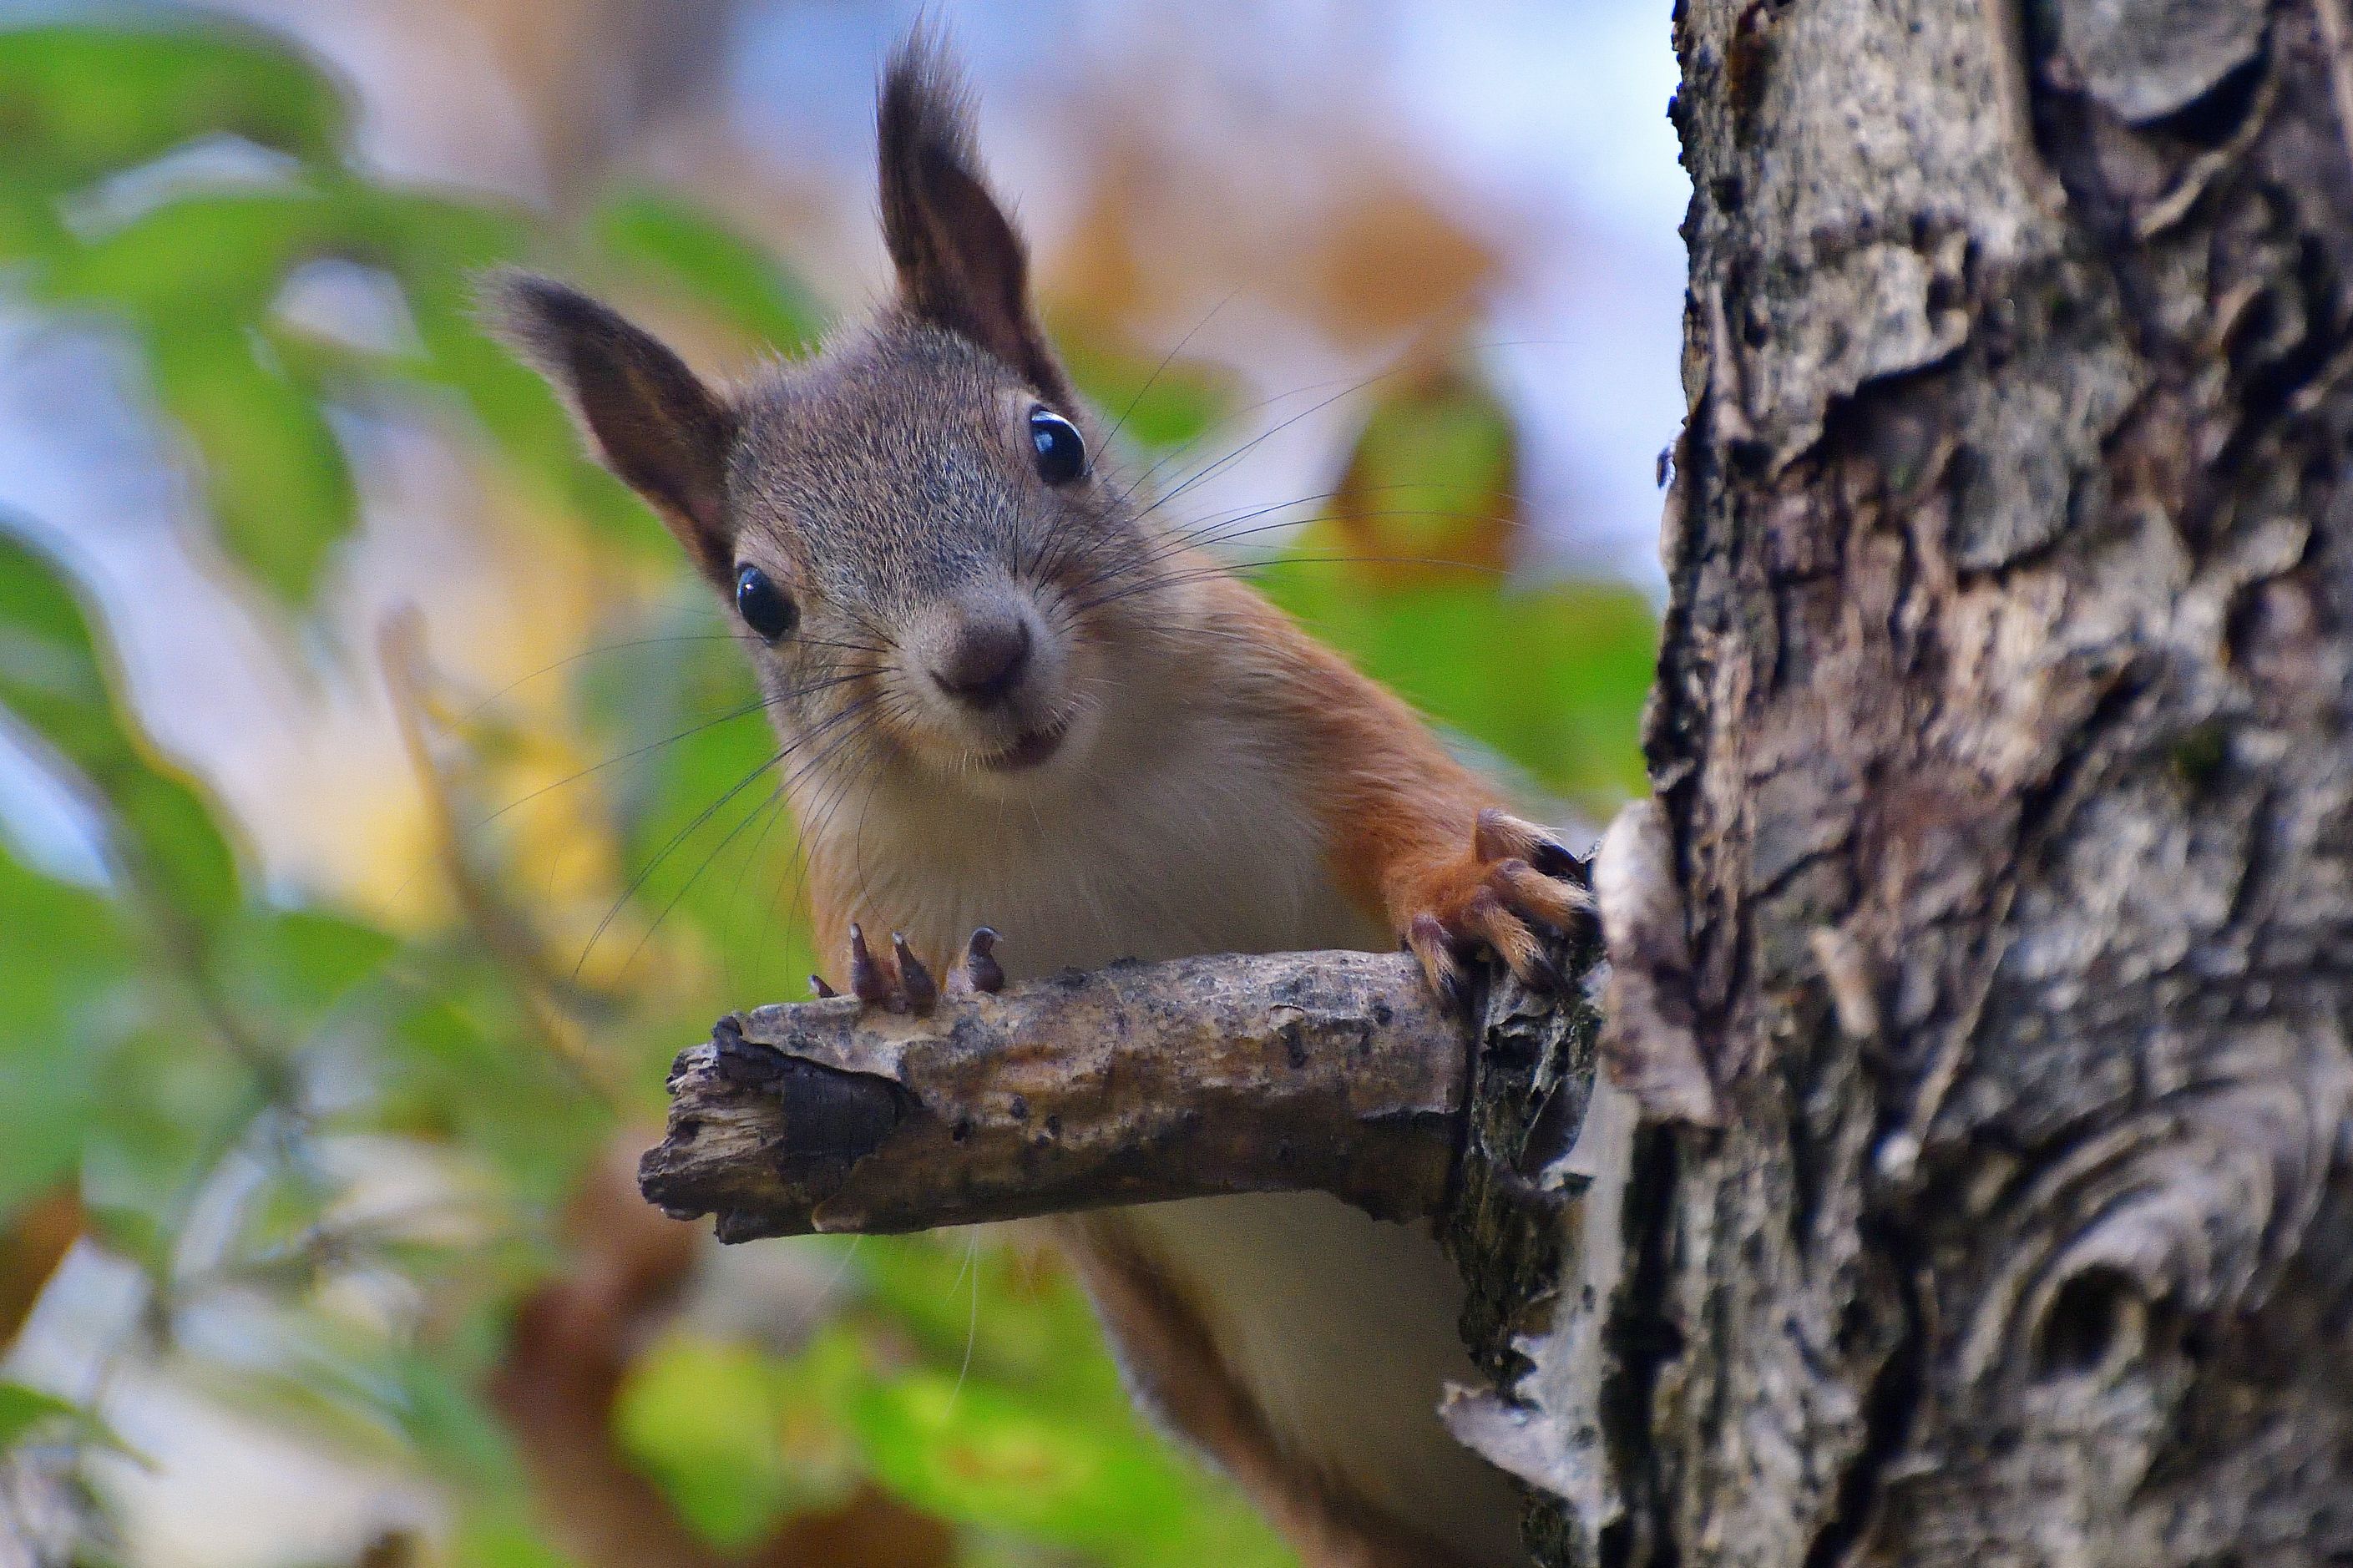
(911, 526)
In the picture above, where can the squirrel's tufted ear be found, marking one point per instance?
(655, 423)
(961, 262)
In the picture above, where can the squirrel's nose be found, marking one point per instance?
(985, 661)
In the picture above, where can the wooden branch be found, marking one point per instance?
(1336, 1071)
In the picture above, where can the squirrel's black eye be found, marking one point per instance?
(1061, 452)
(762, 604)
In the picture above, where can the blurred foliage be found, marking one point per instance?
(716, 267)
(1408, 571)
(353, 1144)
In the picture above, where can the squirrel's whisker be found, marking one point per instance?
(1210, 536)
(634, 752)
(780, 792)
(741, 785)
(1206, 572)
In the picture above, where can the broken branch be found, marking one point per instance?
(1336, 1071)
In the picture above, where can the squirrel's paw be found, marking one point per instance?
(1514, 878)
(902, 983)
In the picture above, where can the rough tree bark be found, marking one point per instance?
(1977, 1191)
(2002, 768)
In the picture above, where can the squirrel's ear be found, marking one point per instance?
(656, 425)
(961, 262)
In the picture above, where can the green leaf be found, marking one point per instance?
(456, 1066)
(218, 256)
(25, 1411)
(197, 277)
(516, 408)
(78, 101)
(983, 1454)
(1551, 676)
(693, 252)
(438, 1417)
(55, 677)
(1157, 401)
(737, 1438)
(64, 968)
(176, 1103)
(22, 1409)
(281, 493)
(292, 965)
(1432, 476)
(434, 244)
(502, 1535)
(1000, 1311)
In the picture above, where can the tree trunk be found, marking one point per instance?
(2002, 774)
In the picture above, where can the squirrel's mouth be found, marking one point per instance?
(1030, 750)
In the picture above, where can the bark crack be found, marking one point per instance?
(1891, 1404)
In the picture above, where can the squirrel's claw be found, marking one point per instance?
(905, 984)
(1516, 881)
(1524, 874)
(1529, 891)
(916, 986)
(1489, 921)
(1426, 938)
(1500, 836)
(867, 982)
(978, 969)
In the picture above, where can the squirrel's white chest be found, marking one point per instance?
(1179, 854)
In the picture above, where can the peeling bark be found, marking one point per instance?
(2001, 751)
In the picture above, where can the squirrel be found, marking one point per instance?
(1011, 697)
